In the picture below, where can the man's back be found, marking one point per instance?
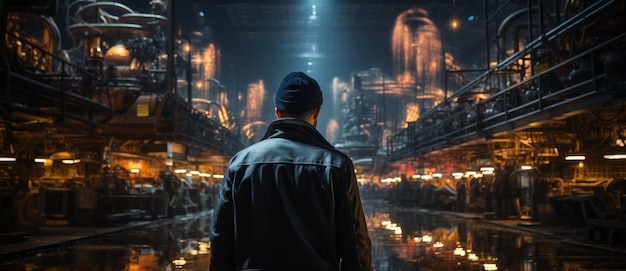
(294, 203)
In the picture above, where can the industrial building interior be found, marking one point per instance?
(121, 110)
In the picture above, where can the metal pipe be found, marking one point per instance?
(170, 74)
(188, 70)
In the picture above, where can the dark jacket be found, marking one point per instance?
(290, 202)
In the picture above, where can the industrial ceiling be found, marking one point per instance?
(326, 38)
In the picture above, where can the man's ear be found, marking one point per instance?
(278, 113)
(317, 113)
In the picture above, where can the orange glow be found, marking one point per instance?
(332, 130)
(134, 165)
(418, 57)
(256, 92)
(205, 63)
(207, 69)
(118, 54)
(412, 113)
(210, 60)
(454, 24)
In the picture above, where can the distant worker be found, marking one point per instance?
(291, 200)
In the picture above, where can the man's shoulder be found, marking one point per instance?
(289, 150)
(254, 151)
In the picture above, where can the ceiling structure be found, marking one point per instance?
(267, 39)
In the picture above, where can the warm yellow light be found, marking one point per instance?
(391, 180)
(615, 156)
(62, 155)
(576, 157)
(135, 170)
(526, 167)
(218, 176)
(181, 170)
(203, 248)
(118, 54)
(490, 267)
(7, 159)
(459, 251)
(454, 24)
(70, 161)
(392, 227)
(179, 262)
(470, 173)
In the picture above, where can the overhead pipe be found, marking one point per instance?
(505, 25)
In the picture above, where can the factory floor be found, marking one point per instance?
(50, 236)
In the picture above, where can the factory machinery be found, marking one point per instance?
(539, 135)
(97, 133)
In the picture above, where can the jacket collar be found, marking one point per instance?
(295, 129)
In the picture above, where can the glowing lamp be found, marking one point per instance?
(575, 157)
(615, 156)
(118, 54)
(7, 158)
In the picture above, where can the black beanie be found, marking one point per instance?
(298, 93)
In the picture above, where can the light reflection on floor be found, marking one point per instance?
(181, 244)
(403, 239)
(409, 239)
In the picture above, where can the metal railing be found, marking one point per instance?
(566, 87)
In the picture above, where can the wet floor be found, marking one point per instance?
(403, 239)
(411, 239)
